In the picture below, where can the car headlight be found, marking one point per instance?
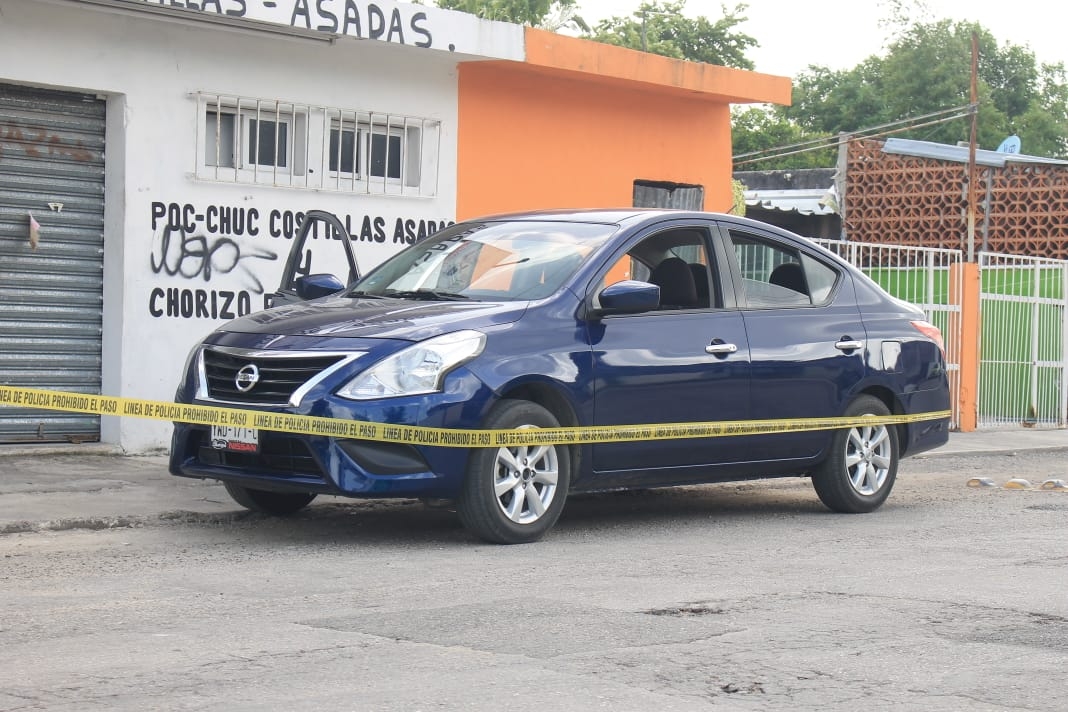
(419, 368)
(193, 358)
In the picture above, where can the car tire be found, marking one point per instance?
(515, 494)
(267, 502)
(860, 469)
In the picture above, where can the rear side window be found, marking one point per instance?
(776, 275)
(821, 279)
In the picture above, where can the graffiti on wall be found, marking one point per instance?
(40, 142)
(217, 253)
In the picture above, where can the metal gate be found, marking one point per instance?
(1023, 373)
(924, 277)
(51, 255)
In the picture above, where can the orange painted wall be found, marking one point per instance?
(531, 137)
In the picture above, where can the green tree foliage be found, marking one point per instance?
(927, 69)
(737, 197)
(757, 129)
(661, 28)
(548, 14)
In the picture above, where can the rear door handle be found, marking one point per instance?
(847, 344)
(721, 348)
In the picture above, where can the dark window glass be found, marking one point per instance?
(343, 157)
(385, 163)
(267, 143)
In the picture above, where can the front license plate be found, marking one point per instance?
(227, 437)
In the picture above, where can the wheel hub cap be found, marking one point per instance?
(525, 483)
(867, 458)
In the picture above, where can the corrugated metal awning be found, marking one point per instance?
(806, 202)
(959, 154)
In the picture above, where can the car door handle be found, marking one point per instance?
(721, 348)
(847, 344)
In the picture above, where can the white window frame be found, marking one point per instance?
(365, 126)
(244, 112)
(217, 134)
(252, 137)
(307, 152)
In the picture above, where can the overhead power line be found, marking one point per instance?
(817, 144)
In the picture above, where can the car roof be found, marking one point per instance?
(624, 217)
(608, 216)
(628, 217)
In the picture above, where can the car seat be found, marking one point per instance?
(677, 289)
(701, 283)
(791, 276)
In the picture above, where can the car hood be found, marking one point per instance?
(376, 318)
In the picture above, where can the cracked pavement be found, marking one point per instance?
(744, 596)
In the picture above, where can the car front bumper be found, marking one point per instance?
(345, 467)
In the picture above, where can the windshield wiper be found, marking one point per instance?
(357, 294)
(433, 295)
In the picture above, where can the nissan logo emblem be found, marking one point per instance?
(247, 377)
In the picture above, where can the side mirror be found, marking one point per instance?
(628, 297)
(314, 286)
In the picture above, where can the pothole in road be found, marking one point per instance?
(1051, 507)
(696, 609)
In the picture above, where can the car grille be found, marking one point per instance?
(279, 376)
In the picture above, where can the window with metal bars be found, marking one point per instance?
(257, 136)
(245, 140)
(350, 147)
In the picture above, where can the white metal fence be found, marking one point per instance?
(1023, 374)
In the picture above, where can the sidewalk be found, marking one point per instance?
(45, 487)
(984, 442)
(92, 487)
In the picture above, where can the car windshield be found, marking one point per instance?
(490, 261)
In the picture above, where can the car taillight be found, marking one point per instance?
(932, 332)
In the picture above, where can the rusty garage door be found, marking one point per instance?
(51, 256)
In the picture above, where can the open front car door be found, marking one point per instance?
(321, 261)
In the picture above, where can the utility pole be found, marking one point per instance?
(967, 280)
(971, 148)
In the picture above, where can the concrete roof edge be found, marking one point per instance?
(552, 51)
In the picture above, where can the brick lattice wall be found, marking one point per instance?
(908, 200)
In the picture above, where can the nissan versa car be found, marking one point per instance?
(556, 319)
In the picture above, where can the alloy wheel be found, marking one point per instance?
(525, 481)
(868, 458)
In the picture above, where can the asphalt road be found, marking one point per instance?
(726, 597)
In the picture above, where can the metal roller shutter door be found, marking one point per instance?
(51, 300)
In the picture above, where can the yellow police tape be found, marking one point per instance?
(444, 437)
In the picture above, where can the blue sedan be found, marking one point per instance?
(560, 319)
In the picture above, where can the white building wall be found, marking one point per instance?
(148, 68)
